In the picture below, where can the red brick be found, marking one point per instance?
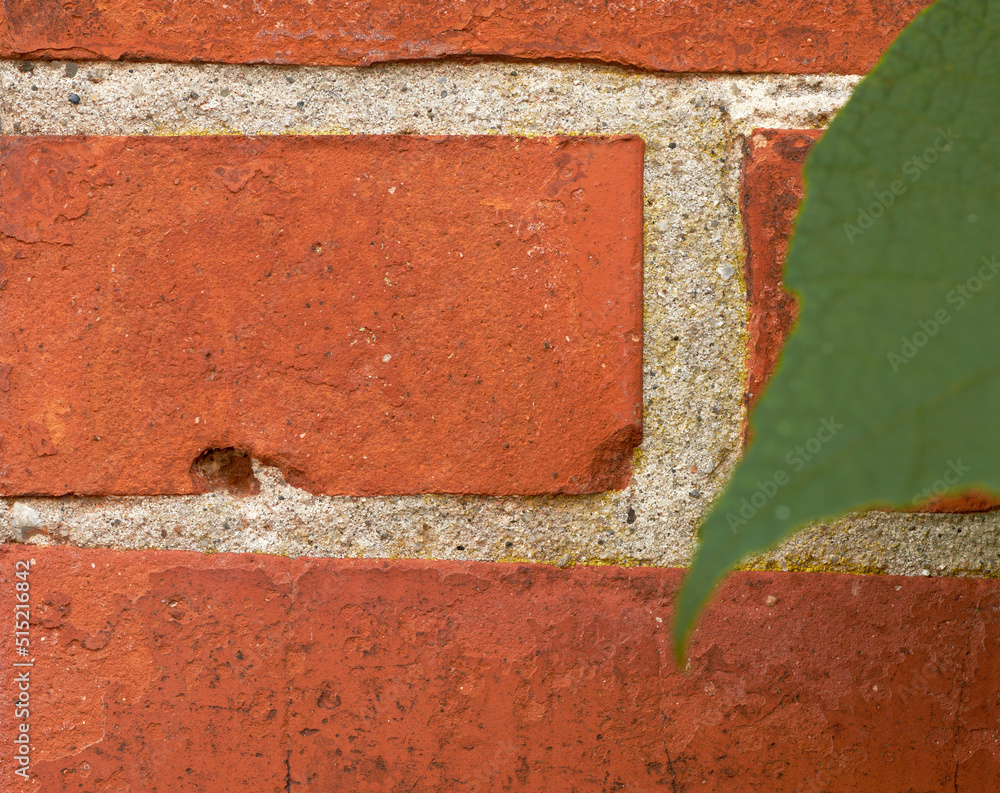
(384, 314)
(770, 193)
(798, 36)
(175, 671)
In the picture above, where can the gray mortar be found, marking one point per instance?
(695, 314)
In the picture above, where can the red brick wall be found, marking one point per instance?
(472, 311)
(400, 314)
(170, 670)
(780, 36)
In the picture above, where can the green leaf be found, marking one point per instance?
(890, 383)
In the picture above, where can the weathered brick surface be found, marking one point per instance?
(172, 671)
(770, 192)
(780, 36)
(384, 314)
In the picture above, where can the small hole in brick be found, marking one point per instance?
(225, 469)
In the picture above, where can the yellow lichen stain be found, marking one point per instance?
(616, 560)
(963, 571)
(809, 563)
(171, 130)
(638, 458)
